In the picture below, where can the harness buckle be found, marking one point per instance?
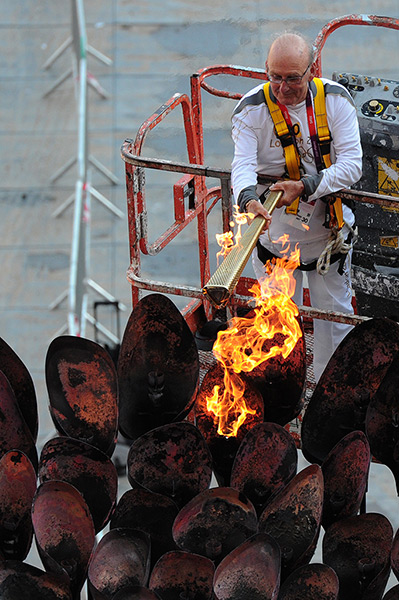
(325, 146)
(285, 139)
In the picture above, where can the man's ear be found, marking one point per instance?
(312, 71)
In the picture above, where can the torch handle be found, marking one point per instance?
(224, 280)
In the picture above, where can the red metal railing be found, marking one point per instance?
(191, 196)
(327, 30)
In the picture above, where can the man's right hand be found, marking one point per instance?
(254, 208)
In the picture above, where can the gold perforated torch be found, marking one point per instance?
(222, 283)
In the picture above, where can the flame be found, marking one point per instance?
(228, 240)
(230, 409)
(240, 348)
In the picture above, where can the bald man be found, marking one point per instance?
(259, 150)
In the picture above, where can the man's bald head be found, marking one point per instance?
(292, 42)
(290, 57)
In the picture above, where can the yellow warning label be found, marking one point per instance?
(388, 176)
(390, 241)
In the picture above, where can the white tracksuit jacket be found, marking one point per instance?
(258, 150)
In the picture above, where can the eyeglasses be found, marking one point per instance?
(290, 80)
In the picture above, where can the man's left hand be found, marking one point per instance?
(291, 190)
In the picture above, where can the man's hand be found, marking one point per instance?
(254, 208)
(291, 190)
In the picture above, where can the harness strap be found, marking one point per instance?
(334, 209)
(336, 217)
(323, 132)
(283, 133)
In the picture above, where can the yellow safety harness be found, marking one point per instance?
(292, 158)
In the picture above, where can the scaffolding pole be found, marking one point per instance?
(79, 279)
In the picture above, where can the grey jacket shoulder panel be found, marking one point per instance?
(255, 99)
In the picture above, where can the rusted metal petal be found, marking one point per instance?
(395, 555)
(349, 381)
(149, 512)
(250, 571)
(265, 462)
(135, 592)
(173, 460)
(121, 559)
(215, 522)
(22, 384)
(19, 580)
(158, 367)
(180, 574)
(64, 531)
(313, 582)
(82, 387)
(345, 472)
(17, 489)
(293, 518)
(281, 381)
(224, 449)
(85, 467)
(392, 594)
(14, 432)
(382, 421)
(358, 549)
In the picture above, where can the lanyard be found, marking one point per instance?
(313, 133)
(312, 129)
(294, 130)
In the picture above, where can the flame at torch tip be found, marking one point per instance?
(227, 241)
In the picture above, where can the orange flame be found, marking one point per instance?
(228, 240)
(240, 348)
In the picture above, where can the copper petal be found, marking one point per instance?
(350, 379)
(345, 472)
(313, 582)
(382, 421)
(86, 468)
(22, 385)
(158, 367)
(19, 580)
(17, 489)
(395, 555)
(82, 387)
(14, 432)
(149, 512)
(215, 522)
(121, 558)
(135, 592)
(265, 462)
(172, 460)
(358, 549)
(250, 571)
(180, 574)
(64, 531)
(293, 518)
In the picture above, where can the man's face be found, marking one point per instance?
(285, 63)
